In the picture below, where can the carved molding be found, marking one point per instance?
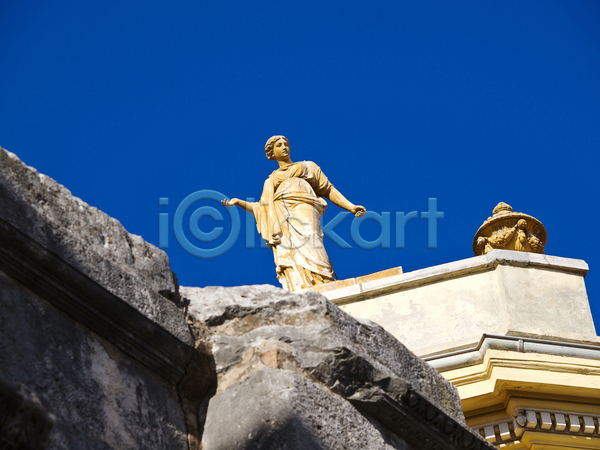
(540, 420)
(420, 423)
(90, 304)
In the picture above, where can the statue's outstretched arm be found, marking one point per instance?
(241, 203)
(338, 199)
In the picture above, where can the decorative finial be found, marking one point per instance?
(510, 231)
(502, 208)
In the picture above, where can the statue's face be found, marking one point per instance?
(281, 149)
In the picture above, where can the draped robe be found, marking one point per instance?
(288, 218)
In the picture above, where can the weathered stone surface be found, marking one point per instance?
(100, 398)
(24, 422)
(498, 293)
(91, 305)
(279, 409)
(342, 353)
(91, 241)
(262, 337)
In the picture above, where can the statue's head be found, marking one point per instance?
(269, 146)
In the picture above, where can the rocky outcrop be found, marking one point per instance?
(91, 241)
(92, 345)
(24, 424)
(101, 398)
(296, 365)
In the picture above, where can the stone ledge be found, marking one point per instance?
(456, 269)
(472, 355)
(90, 304)
(90, 241)
(265, 333)
(358, 280)
(420, 423)
(576, 425)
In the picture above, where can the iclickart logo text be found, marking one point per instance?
(207, 203)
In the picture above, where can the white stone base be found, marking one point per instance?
(454, 304)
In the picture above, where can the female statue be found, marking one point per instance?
(288, 217)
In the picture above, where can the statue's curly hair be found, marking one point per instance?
(270, 145)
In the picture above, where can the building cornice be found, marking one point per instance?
(456, 269)
(473, 355)
(549, 426)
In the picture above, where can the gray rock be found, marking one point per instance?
(279, 409)
(91, 241)
(294, 371)
(99, 398)
(24, 422)
(311, 335)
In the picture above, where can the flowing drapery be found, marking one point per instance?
(288, 218)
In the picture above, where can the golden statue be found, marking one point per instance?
(288, 217)
(510, 230)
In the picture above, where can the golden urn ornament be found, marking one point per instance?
(510, 230)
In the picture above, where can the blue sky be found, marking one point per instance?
(471, 103)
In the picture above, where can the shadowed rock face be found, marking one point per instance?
(85, 325)
(91, 241)
(279, 409)
(276, 352)
(100, 398)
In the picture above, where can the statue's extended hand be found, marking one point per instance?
(359, 211)
(232, 202)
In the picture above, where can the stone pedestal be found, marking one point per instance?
(454, 304)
